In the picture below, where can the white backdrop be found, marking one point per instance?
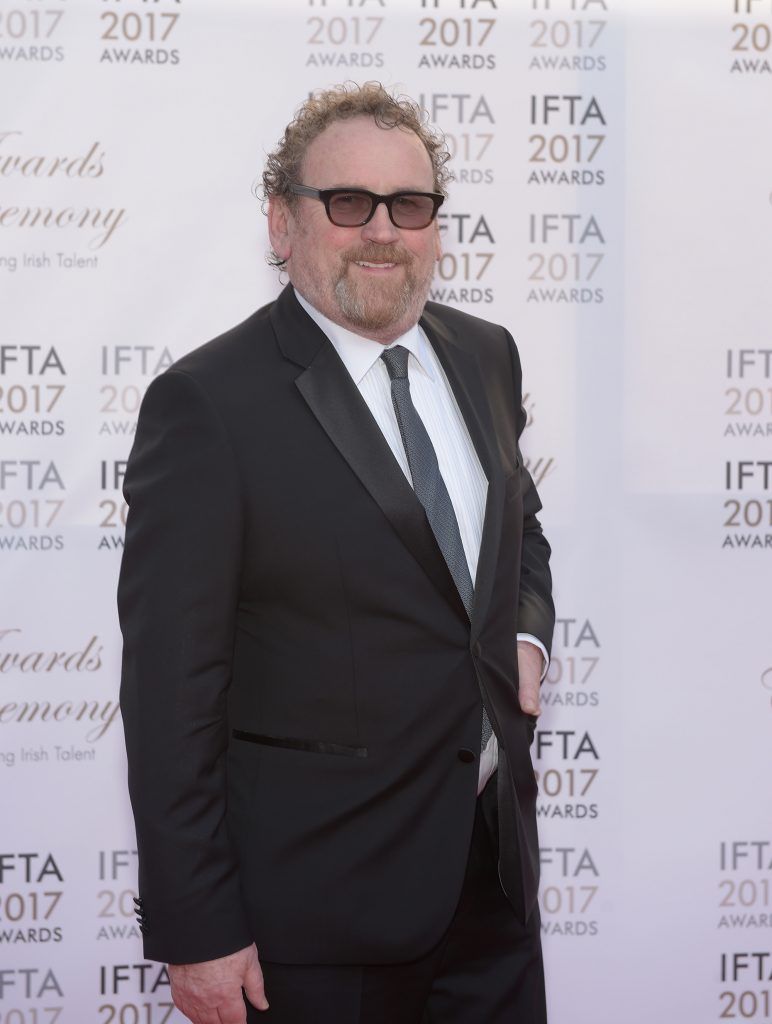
(613, 207)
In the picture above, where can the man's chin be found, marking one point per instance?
(373, 312)
(370, 322)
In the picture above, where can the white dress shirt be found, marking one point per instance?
(436, 405)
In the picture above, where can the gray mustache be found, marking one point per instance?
(378, 255)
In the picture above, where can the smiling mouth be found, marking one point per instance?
(374, 266)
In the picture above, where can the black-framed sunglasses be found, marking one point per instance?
(354, 207)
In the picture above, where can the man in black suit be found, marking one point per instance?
(335, 602)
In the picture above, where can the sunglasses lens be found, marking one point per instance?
(349, 209)
(409, 210)
(412, 210)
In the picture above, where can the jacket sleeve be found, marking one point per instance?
(177, 601)
(536, 611)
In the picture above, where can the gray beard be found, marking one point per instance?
(410, 299)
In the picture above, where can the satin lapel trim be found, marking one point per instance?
(343, 414)
(462, 369)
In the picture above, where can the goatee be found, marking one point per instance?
(373, 306)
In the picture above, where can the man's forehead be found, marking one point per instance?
(362, 141)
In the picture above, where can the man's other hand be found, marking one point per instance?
(530, 662)
(210, 992)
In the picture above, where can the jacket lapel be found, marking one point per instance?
(335, 401)
(465, 377)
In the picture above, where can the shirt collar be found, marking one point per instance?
(360, 354)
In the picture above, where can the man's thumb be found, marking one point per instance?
(254, 986)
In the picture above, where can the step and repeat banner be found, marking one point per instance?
(613, 207)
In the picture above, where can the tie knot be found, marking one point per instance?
(396, 361)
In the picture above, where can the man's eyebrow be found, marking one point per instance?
(363, 188)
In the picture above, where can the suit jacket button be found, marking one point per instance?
(466, 755)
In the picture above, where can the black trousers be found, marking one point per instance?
(487, 969)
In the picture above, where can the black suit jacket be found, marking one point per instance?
(299, 672)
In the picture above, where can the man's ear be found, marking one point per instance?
(278, 227)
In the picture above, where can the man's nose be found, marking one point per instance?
(379, 228)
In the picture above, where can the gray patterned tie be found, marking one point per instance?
(428, 484)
